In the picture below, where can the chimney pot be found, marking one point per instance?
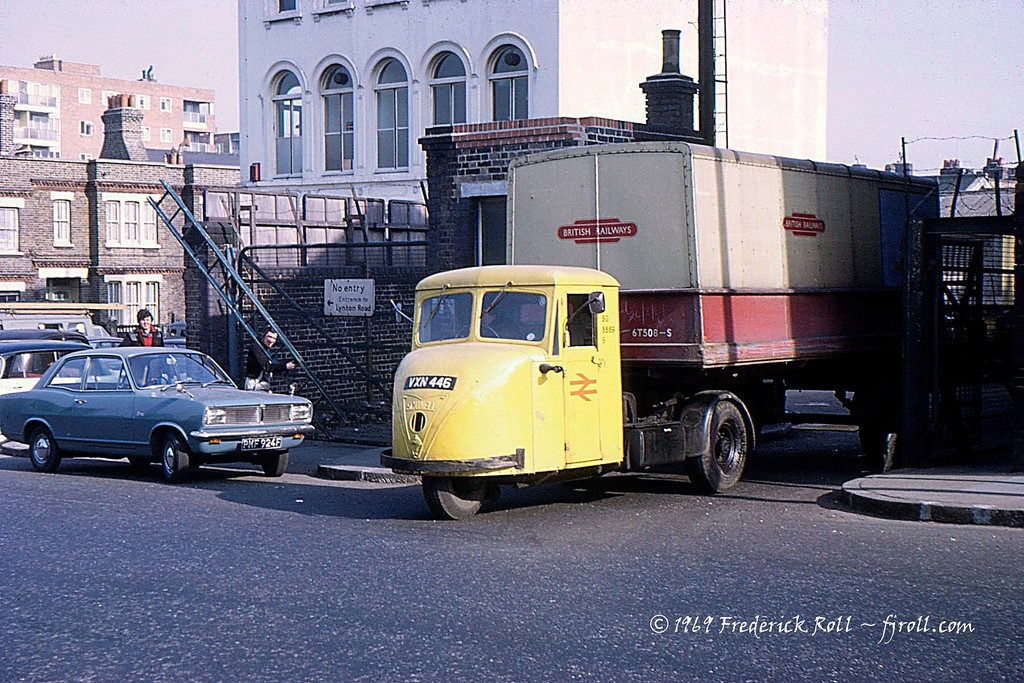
(670, 51)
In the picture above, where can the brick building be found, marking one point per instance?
(59, 104)
(83, 231)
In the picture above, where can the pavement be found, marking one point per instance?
(989, 491)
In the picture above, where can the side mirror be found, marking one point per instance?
(596, 303)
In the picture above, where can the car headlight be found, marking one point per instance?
(300, 412)
(215, 416)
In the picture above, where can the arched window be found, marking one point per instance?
(339, 121)
(509, 86)
(288, 127)
(392, 116)
(448, 89)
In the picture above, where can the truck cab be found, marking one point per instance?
(514, 377)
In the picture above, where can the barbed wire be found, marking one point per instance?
(961, 137)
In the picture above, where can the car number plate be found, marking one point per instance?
(259, 443)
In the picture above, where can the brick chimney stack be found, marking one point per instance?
(7, 102)
(122, 130)
(670, 94)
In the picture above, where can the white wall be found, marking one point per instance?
(586, 59)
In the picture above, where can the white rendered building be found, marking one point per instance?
(336, 93)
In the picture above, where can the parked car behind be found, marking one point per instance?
(23, 361)
(172, 406)
(175, 334)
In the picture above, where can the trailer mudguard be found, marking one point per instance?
(696, 420)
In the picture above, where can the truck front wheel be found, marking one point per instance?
(453, 497)
(721, 466)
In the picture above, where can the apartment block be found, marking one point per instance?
(59, 104)
(84, 230)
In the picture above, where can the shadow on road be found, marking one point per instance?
(801, 466)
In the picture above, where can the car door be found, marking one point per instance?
(102, 418)
(57, 403)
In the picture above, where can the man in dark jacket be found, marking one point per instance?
(146, 334)
(259, 368)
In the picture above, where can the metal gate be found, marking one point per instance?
(959, 376)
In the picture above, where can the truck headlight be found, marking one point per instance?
(300, 412)
(215, 416)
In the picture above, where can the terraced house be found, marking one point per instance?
(83, 230)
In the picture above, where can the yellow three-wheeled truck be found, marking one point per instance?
(515, 378)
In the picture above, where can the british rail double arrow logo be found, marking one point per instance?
(583, 386)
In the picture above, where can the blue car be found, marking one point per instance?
(172, 406)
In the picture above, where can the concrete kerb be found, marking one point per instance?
(380, 475)
(900, 501)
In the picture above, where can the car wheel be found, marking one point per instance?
(43, 451)
(174, 456)
(453, 497)
(275, 464)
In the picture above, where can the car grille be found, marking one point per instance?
(250, 415)
(276, 413)
(243, 415)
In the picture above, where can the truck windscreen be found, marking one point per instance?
(513, 315)
(446, 316)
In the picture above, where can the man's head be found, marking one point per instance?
(145, 319)
(269, 338)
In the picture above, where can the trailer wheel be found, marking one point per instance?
(453, 497)
(721, 466)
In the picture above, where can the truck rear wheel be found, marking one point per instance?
(453, 497)
(721, 466)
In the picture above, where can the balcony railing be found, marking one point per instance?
(37, 133)
(37, 100)
(195, 117)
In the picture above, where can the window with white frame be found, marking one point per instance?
(85, 96)
(8, 228)
(148, 223)
(143, 101)
(135, 292)
(130, 221)
(392, 116)
(62, 223)
(448, 90)
(165, 104)
(288, 124)
(113, 212)
(130, 231)
(339, 120)
(165, 135)
(509, 85)
(85, 128)
(147, 133)
(287, 5)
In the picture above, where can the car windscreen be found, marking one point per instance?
(157, 369)
(446, 316)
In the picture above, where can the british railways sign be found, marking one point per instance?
(590, 231)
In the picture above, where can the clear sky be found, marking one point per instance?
(897, 68)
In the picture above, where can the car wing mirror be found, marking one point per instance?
(596, 303)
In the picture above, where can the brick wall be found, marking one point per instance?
(478, 153)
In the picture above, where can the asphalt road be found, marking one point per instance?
(110, 575)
